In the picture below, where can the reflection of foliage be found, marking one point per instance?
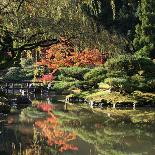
(47, 129)
(52, 132)
(30, 114)
(55, 136)
(45, 107)
(35, 148)
(108, 138)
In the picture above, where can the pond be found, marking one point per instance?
(78, 131)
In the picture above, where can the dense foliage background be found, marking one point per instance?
(79, 43)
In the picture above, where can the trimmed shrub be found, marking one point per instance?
(127, 73)
(97, 74)
(63, 86)
(122, 63)
(144, 98)
(15, 74)
(151, 84)
(86, 85)
(61, 77)
(29, 72)
(147, 66)
(117, 74)
(74, 72)
(119, 84)
(130, 65)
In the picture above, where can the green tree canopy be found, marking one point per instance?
(144, 41)
(25, 25)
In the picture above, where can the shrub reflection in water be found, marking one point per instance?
(51, 130)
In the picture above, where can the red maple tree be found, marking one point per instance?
(64, 54)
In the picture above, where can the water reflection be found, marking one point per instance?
(110, 138)
(53, 133)
(75, 132)
(49, 135)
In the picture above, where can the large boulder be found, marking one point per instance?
(23, 102)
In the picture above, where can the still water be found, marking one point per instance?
(94, 134)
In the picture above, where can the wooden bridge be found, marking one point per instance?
(24, 87)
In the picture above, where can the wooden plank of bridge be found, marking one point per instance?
(20, 85)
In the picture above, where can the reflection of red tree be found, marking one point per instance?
(45, 107)
(50, 130)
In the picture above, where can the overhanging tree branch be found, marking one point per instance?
(30, 46)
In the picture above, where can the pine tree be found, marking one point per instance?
(125, 18)
(144, 41)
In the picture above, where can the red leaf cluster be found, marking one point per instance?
(64, 54)
(48, 77)
(45, 107)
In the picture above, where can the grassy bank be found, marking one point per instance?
(139, 116)
(137, 98)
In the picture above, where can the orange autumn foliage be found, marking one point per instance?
(64, 54)
(45, 107)
(47, 77)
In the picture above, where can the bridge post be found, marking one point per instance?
(21, 88)
(7, 89)
(41, 86)
(66, 107)
(28, 86)
(13, 88)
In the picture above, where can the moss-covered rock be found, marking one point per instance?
(23, 102)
